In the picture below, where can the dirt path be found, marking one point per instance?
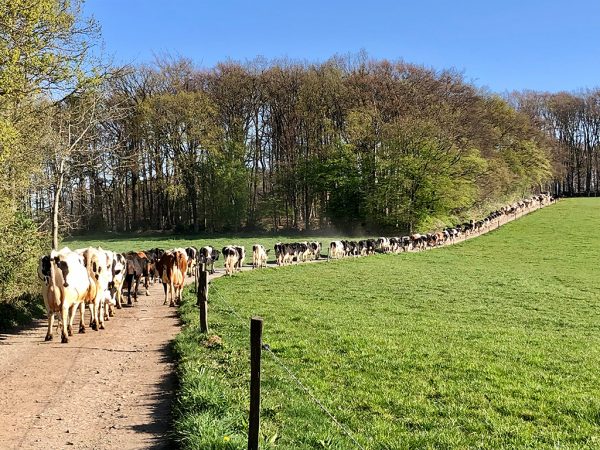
(105, 389)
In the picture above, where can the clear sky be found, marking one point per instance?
(503, 45)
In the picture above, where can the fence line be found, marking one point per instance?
(279, 361)
(345, 430)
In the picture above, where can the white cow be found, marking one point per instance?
(67, 285)
(259, 256)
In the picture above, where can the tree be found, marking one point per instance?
(44, 56)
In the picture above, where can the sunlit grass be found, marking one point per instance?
(492, 343)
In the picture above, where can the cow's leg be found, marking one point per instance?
(106, 310)
(119, 296)
(165, 289)
(65, 320)
(50, 325)
(81, 317)
(129, 281)
(94, 316)
(99, 307)
(137, 286)
(72, 310)
(146, 284)
(171, 293)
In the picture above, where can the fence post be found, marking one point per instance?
(196, 269)
(202, 298)
(256, 326)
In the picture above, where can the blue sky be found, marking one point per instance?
(502, 45)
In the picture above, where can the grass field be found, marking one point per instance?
(492, 343)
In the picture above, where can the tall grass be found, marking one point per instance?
(492, 343)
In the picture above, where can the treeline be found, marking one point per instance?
(282, 144)
(572, 120)
(349, 143)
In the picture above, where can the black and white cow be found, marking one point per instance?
(234, 256)
(259, 256)
(315, 249)
(208, 255)
(336, 250)
(192, 259)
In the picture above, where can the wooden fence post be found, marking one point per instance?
(256, 326)
(196, 271)
(202, 298)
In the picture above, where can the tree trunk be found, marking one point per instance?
(56, 204)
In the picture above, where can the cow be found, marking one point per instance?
(137, 266)
(171, 267)
(259, 256)
(286, 253)
(66, 286)
(336, 250)
(406, 243)
(117, 269)
(418, 241)
(208, 256)
(153, 256)
(370, 245)
(350, 248)
(234, 256)
(395, 246)
(95, 262)
(110, 301)
(192, 259)
(279, 253)
(315, 249)
(383, 244)
(241, 256)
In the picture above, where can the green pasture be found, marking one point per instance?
(492, 343)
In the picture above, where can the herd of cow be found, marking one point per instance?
(418, 242)
(96, 278)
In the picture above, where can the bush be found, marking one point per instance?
(21, 244)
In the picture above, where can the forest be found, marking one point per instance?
(351, 143)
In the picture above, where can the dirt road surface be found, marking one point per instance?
(105, 389)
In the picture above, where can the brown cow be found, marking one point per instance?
(171, 268)
(137, 266)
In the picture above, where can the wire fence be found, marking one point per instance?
(214, 293)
